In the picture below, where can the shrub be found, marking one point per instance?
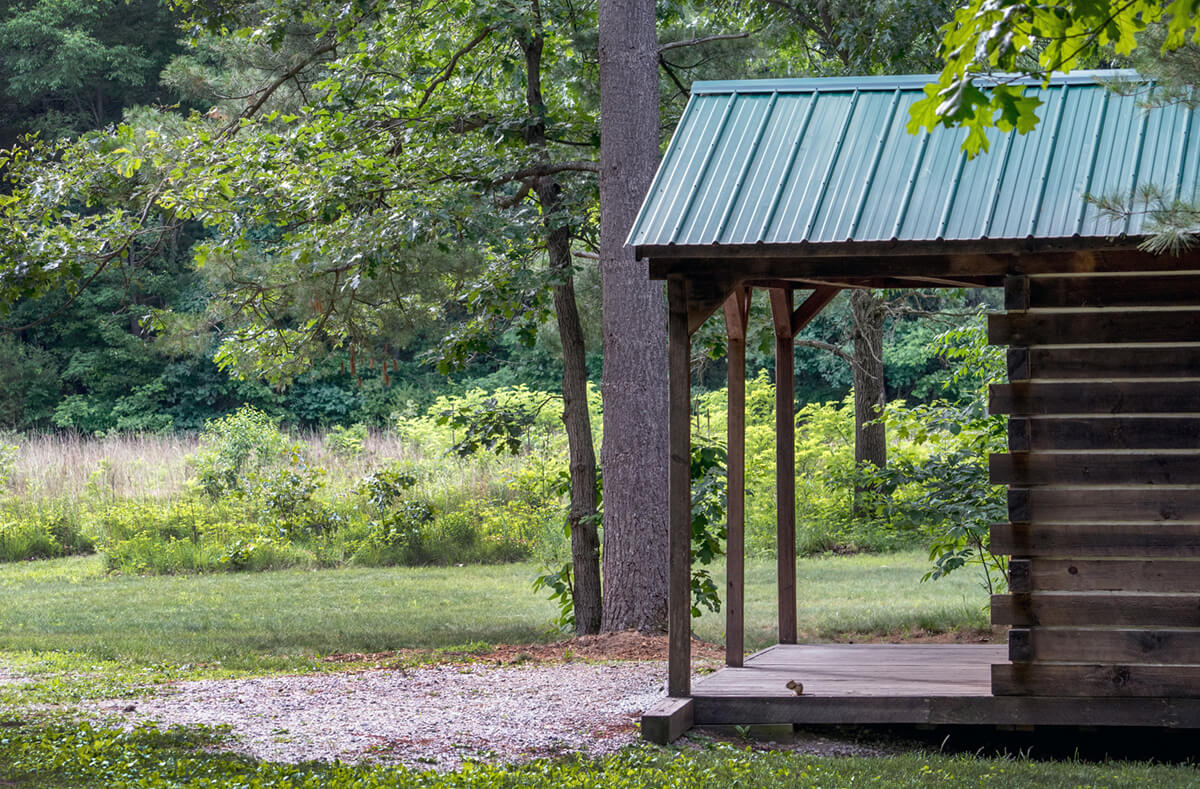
(245, 441)
(40, 530)
(347, 441)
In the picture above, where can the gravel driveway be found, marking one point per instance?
(435, 716)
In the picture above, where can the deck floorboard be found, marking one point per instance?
(936, 684)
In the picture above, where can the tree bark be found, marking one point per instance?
(585, 540)
(634, 381)
(870, 440)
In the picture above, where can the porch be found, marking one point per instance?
(893, 684)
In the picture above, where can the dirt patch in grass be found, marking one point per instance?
(626, 645)
(631, 645)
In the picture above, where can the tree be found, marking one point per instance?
(71, 65)
(634, 314)
(1012, 39)
(375, 137)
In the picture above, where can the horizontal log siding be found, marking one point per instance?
(1103, 472)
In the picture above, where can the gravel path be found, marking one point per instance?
(427, 717)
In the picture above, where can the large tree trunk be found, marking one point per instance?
(634, 382)
(585, 541)
(870, 441)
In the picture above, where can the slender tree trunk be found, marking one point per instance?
(634, 382)
(585, 539)
(870, 441)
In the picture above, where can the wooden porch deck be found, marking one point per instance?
(893, 684)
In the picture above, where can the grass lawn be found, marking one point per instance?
(270, 619)
(80, 756)
(66, 616)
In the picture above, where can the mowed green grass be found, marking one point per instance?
(266, 619)
(867, 595)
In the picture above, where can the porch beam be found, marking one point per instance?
(782, 315)
(679, 608)
(737, 309)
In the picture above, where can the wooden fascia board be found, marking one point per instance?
(990, 267)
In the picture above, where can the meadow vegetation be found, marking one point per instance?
(456, 484)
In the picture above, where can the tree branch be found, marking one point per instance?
(448, 71)
(703, 40)
(825, 346)
(269, 91)
(552, 168)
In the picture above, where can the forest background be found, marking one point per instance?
(334, 341)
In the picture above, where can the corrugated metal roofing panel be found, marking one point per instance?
(830, 160)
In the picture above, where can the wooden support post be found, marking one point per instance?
(737, 308)
(679, 599)
(785, 461)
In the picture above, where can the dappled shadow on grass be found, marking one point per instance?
(1040, 743)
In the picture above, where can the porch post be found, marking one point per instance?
(737, 307)
(785, 461)
(679, 603)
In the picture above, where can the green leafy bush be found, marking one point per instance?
(40, 530)
(246, 441)
(349, 442)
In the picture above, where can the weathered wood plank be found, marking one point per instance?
(679, 572)
(1148, 290)
(1020, 645)
(1104, 575)
(667, 721)
(978, 710)
(1016, 292)
(1066, 609)
(1019, 576)
(1085, 328)
(736, 314)
(1136, 646)
(1018, 364)
(785, 464)
(1049, 679)
(1090, 505)
(1105, 363)
(1095, 397)
(1129, 540)
(1095, 469)
(1103, 432)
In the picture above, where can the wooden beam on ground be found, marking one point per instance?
(667, 721)
(981, 710)
(737, 313)
(679, 602)
(782, 315)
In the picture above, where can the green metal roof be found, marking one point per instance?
(829, 161)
